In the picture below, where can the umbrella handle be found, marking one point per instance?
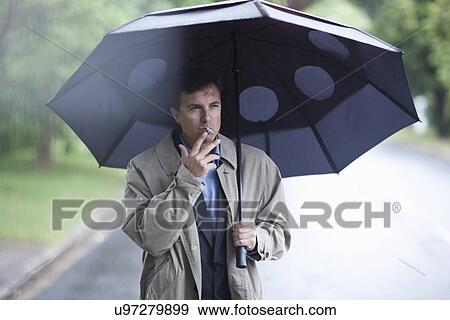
(241, 257)
(241, 253)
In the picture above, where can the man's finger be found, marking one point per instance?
(244, 230)
(184, 152)
(196, 147)
(244, 243)
(244, 236)
(211, 166)
(210, 158)
(205, 150)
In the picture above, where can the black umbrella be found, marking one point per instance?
(314, 94)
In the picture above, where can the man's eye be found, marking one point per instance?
(216, 105)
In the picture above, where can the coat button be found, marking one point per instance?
(217, 267)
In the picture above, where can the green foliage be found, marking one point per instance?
(32, 69)
(346, 13)
(420, 29)
(438, 38)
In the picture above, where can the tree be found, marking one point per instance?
(32, 69)
(421, 27)
(345, 12)
(438, 40)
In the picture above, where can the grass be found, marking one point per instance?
(26, 192)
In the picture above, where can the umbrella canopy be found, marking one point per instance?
(314, 94)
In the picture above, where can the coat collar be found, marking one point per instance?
(168, 152)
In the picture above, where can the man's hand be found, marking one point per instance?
(244, 234)
(198, 160)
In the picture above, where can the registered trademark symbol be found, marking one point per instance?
(396, 207)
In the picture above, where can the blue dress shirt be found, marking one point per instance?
(211, 181)
(211, 190)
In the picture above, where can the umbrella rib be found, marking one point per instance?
(312, 126)
(396, 103)
(278, 84)
(260, 28)
(115, 58)
(132, 120)
(141, 45)
(83, 61)
(273, 64)
(288, 45)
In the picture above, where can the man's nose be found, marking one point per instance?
(206, 115)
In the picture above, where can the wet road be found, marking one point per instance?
(110, 270)
(409, 260)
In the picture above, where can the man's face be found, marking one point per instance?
(198, 109)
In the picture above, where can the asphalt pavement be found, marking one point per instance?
(408, 260)
(110, 270)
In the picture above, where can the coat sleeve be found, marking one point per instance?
(157, 220)
(273, 237)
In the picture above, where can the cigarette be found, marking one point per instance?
(208, 130)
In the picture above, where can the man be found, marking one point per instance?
(186, 218)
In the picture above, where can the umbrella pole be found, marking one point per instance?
(241, 253)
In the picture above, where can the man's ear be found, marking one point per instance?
(175, 114)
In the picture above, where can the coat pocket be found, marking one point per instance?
(240, 283)
(160, 280)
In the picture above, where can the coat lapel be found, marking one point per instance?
(169, 156)
(227, 175)
(170, 160)
(204, 224)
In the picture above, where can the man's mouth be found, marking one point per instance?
(207, 129)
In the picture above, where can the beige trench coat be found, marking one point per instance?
(171, 262)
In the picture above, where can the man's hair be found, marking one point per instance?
(194, 79)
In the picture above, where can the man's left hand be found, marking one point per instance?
(244, 234)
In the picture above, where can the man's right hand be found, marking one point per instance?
(198, 160)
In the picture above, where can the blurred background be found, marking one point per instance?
(41, 159)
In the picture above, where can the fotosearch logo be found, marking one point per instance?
(343, 209)
(347, 215)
